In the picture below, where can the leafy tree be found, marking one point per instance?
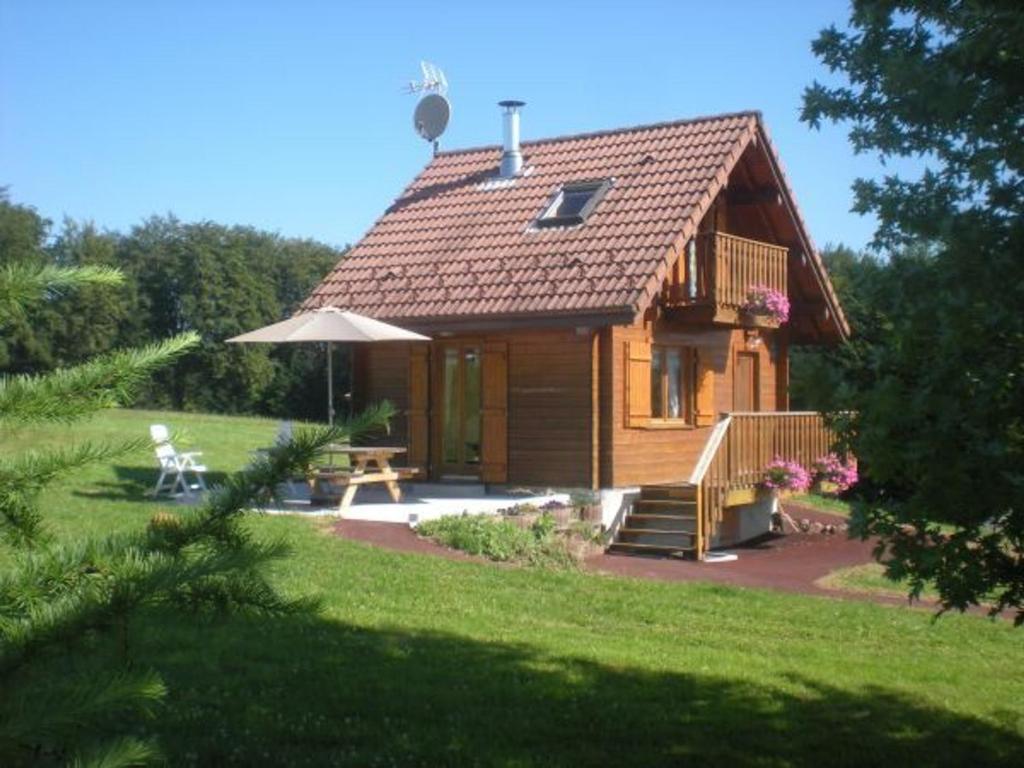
(220, 282)
(61, 600)
(216, 281)
(937, 395)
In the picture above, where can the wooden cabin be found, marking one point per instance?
(589, 322)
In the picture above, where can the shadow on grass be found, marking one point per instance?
(314, 692)
(136, 484)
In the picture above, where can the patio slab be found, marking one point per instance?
(420, 501)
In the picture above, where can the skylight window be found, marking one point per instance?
(573, 203)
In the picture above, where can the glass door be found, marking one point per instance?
(460, 410)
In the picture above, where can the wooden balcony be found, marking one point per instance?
(717, 270)
(731, 469)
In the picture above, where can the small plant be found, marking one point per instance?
(762, 300)
(785, 475)
(544, 525)
(834, 471)
(503, 540)
(491, 537)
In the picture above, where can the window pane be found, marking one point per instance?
(450, 433)
(471, 405)
(675, 375)
(656, 385)
(573, 201)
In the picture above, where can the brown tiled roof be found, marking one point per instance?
(458, 243)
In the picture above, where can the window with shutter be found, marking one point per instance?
(672, 376)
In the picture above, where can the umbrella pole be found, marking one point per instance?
(330, 386)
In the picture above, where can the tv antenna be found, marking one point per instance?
(433, 111)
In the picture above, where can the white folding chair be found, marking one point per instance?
(174, 466)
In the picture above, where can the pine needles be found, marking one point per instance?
(58, 595)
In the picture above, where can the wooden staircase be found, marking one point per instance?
(663, 521)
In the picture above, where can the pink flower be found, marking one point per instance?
(784, 475)
(762, 300)
(831, 469)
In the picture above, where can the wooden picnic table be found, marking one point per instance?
(360, 472)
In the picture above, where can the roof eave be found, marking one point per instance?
(598, 317)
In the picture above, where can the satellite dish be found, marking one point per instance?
(431, 116)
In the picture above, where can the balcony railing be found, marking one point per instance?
(719, 270)
(739, 448)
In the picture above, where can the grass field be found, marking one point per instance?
(824, 503)
(870, 579)
(423, 661)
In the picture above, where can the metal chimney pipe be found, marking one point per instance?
(512, 157)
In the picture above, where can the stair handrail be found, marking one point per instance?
(710, 449)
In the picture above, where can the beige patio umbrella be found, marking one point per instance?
(328, 324)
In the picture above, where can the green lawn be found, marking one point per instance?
(824, 503)
(870, 579)
(423, 661)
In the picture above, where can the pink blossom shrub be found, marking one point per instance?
(831, 469)
(762, 300)
(786, 475)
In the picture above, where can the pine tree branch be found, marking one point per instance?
(202, 558)
(71, 393)
(70, 706)
(125, 752)
(22, 285)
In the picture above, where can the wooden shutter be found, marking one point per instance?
(705, 415)
(494, 413)
(638, 383)
(419, 400)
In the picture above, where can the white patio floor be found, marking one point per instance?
(420, 501)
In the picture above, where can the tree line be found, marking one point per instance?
(207, 278)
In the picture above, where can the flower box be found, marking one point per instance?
(766, 305)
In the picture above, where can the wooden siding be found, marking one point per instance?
(725, 368)
(382, 373)
(636, 456)
(549, 400)
(550, 424)
(633, 456)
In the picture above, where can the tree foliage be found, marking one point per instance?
(936, 380)
(205, 278)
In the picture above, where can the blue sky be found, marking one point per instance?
(290, 116)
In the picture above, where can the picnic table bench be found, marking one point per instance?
(358, 473)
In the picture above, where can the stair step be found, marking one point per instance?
(683, 523)
(655, 537)
(669, 491)
(632, 548)
(666, 506)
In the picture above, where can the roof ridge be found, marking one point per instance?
(756, 113)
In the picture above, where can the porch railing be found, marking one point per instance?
(740, 446)
(721, 268)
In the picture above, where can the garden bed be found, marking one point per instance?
(553, 535)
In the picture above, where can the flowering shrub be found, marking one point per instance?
(762, 300)
(785, 475)
(831, 469)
